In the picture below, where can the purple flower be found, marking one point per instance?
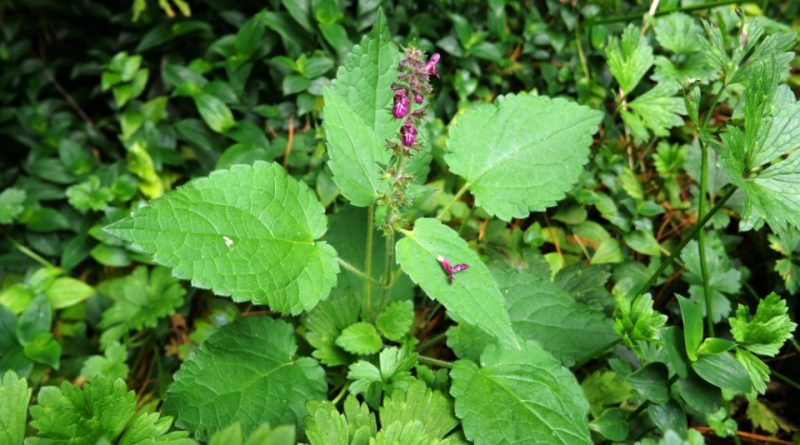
(408, 133)
(450, 269)
(418, 98)
(401, 104)
(430, 67)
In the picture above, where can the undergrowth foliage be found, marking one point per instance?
(498, 277)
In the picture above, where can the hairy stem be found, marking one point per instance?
(355, 271)
(692, 233)
(387, 274)
(368, 260)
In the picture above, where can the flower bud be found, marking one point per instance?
(408, 133)
(401, 104)
(418, 98)
(431, 65)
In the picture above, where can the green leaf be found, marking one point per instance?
(474, 295)
(679, 33)
(643, 242)
(214, 112)
(396, 320)
(724, 371)
(629, 58)
(36, 319)
(714, 345)
(150, 429)
(74, 416)
(699, 394)
(89, 194)
(604, 388)
(14, 398)
(655, 111)
(11, 200)
(766, 419)
(762, 160)
(360, 338)
(325, 426)
(245, 366)
(355, 151)
(651, 382)
(765, 332)
(518, 396)
(757, 369)
(668, 417)
(635, 318)
(540, 310)
(418, 403)
(44, 349)
(522, 153)
(365, 80)
(692, 326)
(248, 232)
(263, 435)
(111, 365)
(140, 300)
(65, 292)
(612, 424)
(327, 320)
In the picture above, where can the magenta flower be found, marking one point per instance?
(401, 104)
(408, 133)
(450, 269)
(418, 98)
(430, 67)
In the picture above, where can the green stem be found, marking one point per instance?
(31, 254)
(701, 240)
(578, 40)
(424, 359)
(354, 270)
(456, 197)
(387, 278)
(785, 379)
(341, 394)
(638, 15)
(692, 233)
(431, 341)
(368, 260)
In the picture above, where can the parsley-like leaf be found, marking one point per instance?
(629, 58)
(14, 398)
(765, 332)
(360, 338)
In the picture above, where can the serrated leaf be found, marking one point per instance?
(74, 416)
(14, 398)
(629, 58)
(245, 366)
(263, 435)
(765, 332)
(396, 320)
(325, 426)
(360, 338)
(248, 232)
(355, 152)
(604, 388)
(518, 396)
(89, 194)
(521, 153)
(326, 321)
(419, 403)
(150, 429)
(757, 369)
(542, 311)
(365, 80)
(635, 318)
(766, 419)
(111, 364)
(474, 295)
(655, 111)
(763, 159)
(141, 299)
(724, 278)
(11, 200)
(679, 33)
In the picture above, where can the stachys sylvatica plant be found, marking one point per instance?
(339, 358)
